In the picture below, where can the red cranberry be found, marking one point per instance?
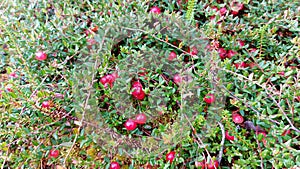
(209, 98)
(194, 51)
(231, 53)
(140, 118)
(281, 73)
(130, 124)
(114, 165)
(170, 156)
(155, 10)
(237, 118)
(201, 164)
(40, 56)
(223, 11)
(252, 50)
(286, 132)
(177, 79)
(213, 165)
(54, 153)
(241, 65)
(264, 136)
(172, 56)
(138, 93)
(104, 81)
(241, 43)
(215, 9)
(236, 7)
(222, 53)
(46, 104)
(228, 137)
(13, 75)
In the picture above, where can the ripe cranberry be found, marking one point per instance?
(40, 55)
(264, 136)
(170, 156)
(223, 11)
(213, 165)
(252, 50)
(241, 65)
(104, 81)
(215, 9)
(177, 79)
(94, 29)
(281, 73)
(143, 72)
(236, 7)
(108, 80)
(46, 104)
(228, 137)
(241, 43)
(201, 164)
(209, 98)
(138, 93)
(54, 153)
(155, 10)
(222, 53)
(237, 118)
(13, 75)
(231, 53)
(172, 56)
(194, 51)
(140, 118)
(8, 89)
(114, 165)
(286, 132)
(130, 124)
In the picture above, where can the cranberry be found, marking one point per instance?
(237, 118)
(177, 79)
(231, 53)
(94, 29)
(215, 9)
(222, 53)
(286, 132)
(40, 56)
(281, 73)
(138, 93)
(155, 10)
(140, 118)
(241, 65)
(213, 165)
(54, 153)
(236, 7)
(264, 136)
(194, 51)
(252, 50)
(200, 164)
(172, 56)
(228, 137)
(130, 124)
(13, 75)
(114, 165)
(170, 156)
(46, 104)
(104, 81)
(241, 43)
(223, 11)
(209, 98)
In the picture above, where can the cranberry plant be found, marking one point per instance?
(150, 84)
